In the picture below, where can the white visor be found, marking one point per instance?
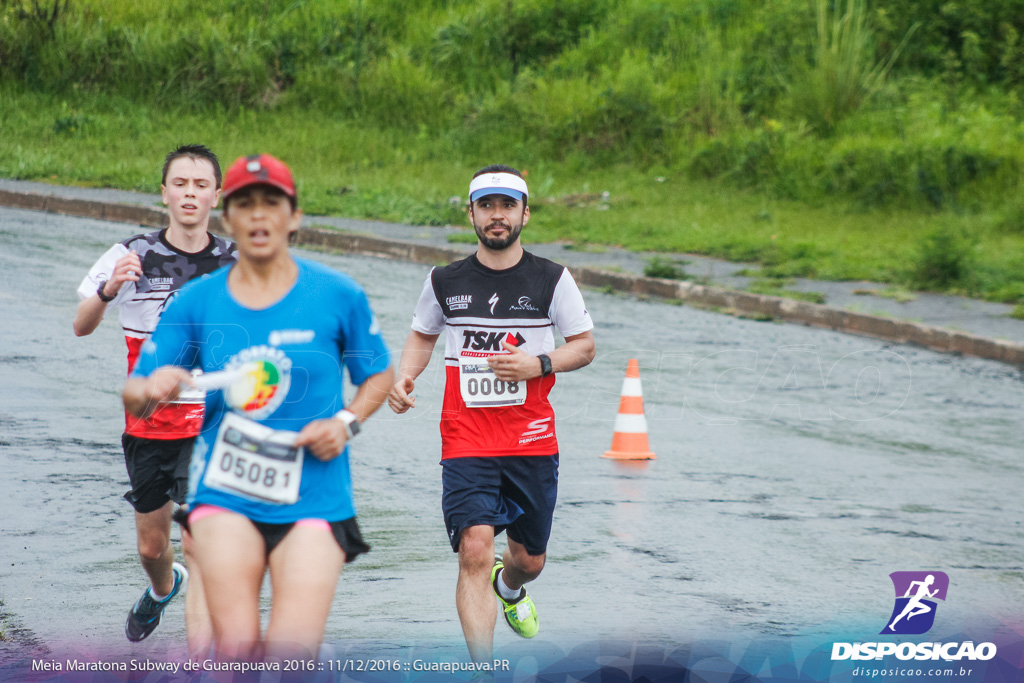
(498, 183)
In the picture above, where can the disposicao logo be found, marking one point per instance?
(913, 614)
(916, 593)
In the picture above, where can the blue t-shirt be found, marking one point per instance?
(299, 346)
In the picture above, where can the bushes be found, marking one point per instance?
(844, 72)
(943, 259)
(944, 172)
(983, 38)
(497, 39)
(675, 83)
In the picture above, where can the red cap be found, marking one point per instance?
(258, 169)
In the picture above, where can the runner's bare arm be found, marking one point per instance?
(371, 394)
(89, 315)
(577, 351)
(517, 365)
(415, 358)
(141, 395)
(325, 439)
(90, 311)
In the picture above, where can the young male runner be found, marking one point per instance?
(136, 277)
(498, 309)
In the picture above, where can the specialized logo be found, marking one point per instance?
(459, 303)
(477, 340)
(493, 301)
(264, 384)
(524, 304)
(916, 592)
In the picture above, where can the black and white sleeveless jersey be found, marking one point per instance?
(165, 270)
(478, 308)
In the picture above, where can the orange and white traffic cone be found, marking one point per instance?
(629, 442)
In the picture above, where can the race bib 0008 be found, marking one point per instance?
(481, 389)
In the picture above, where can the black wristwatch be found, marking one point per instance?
(103, 297)
(545, 365)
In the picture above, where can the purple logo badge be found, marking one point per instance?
(916, 593)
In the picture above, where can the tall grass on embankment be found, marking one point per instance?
(824, 139)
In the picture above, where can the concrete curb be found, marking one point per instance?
(741, 303)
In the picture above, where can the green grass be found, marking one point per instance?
(777, 287)
(666, 268)
(782, 133)
(897, 294)
(344, 168)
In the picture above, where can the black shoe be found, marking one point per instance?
(145, 615)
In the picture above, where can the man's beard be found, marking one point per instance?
(498, 243)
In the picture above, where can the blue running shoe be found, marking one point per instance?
(145, 615)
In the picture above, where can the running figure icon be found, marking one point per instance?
(916, 595)
(915, 607)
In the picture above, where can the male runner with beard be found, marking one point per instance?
(498, 310)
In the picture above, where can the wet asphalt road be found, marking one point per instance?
(796, 469)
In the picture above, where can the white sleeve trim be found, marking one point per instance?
(428, 318)
(568, 311)
(102, 270)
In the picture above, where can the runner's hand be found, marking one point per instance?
(514, 366)
(399, 397)
(325, 439)
(165, 384)
(126, 269)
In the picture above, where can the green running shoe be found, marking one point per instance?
(521, 613)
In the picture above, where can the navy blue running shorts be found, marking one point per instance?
(513, 493)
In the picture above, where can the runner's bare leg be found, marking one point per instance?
(304, 571)
(520, 566)
(198, 629)
(153, 538)
(231, 556)
(474, 596)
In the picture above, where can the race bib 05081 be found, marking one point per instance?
(256, 462)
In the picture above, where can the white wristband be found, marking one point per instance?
(350, 420)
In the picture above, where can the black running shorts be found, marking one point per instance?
(157, 471)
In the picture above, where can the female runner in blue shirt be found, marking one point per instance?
(269, 484)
